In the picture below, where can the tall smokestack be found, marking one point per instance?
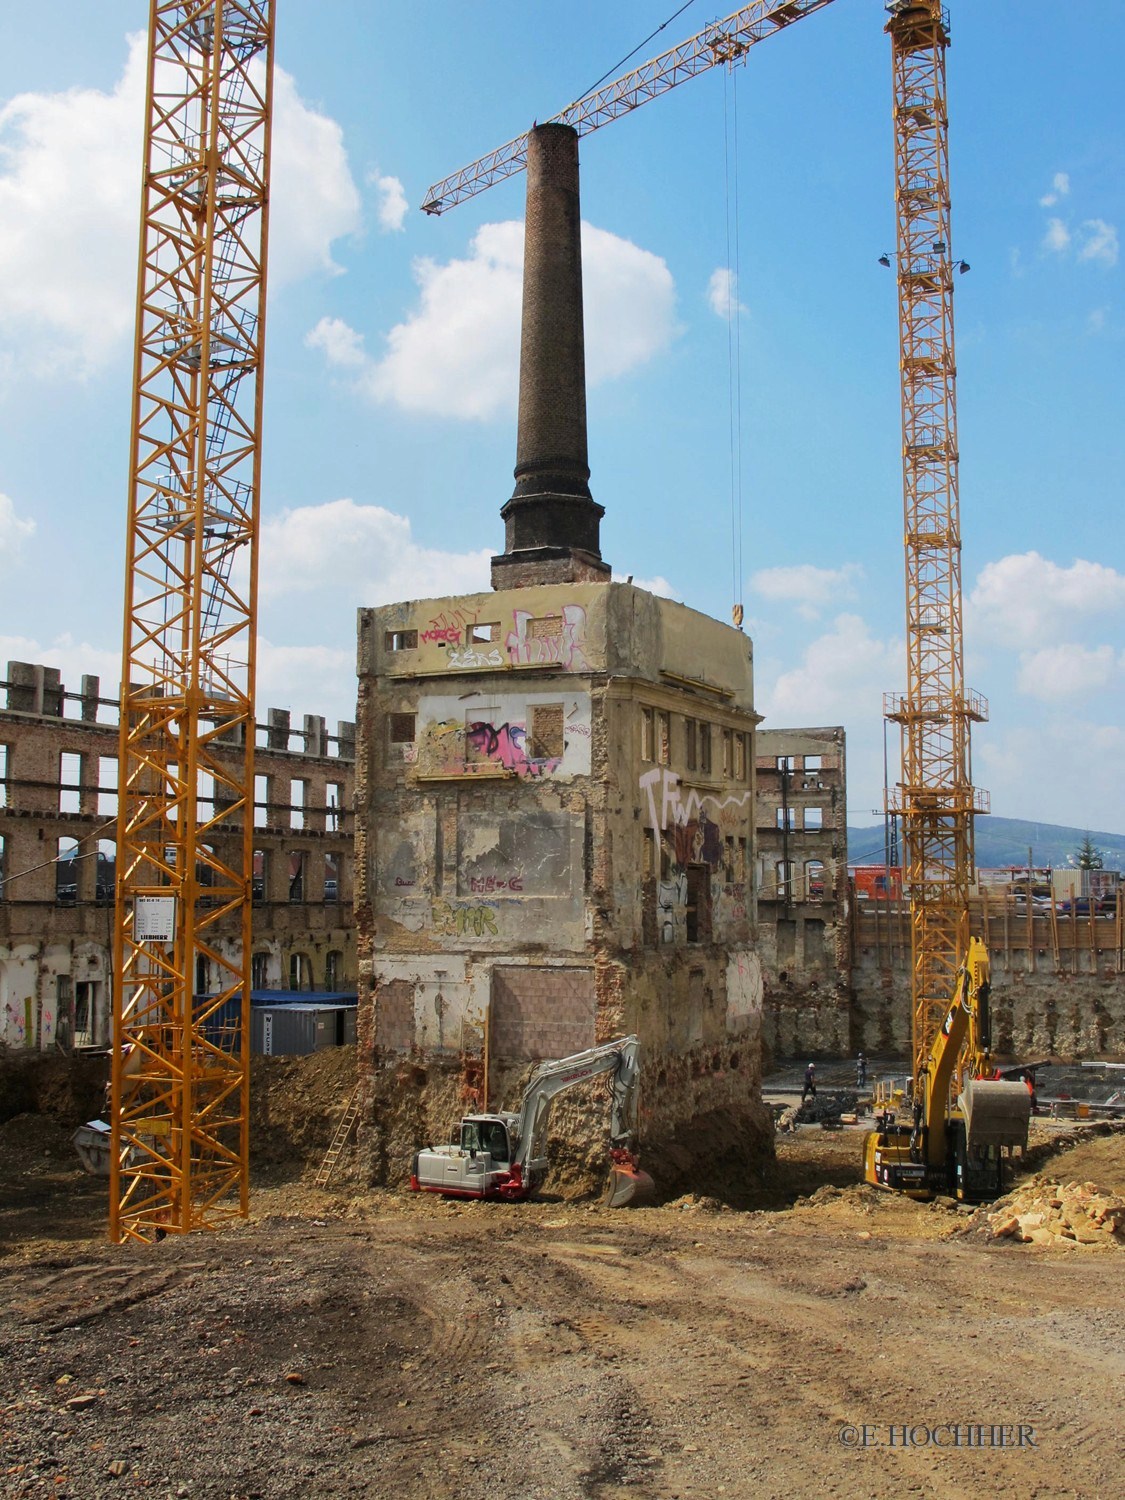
(551, 522)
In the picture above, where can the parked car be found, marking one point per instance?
(1080, 906)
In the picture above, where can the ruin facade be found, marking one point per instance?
(58, 805)
(554, 846)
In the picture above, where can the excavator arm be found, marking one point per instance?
(621, 1058)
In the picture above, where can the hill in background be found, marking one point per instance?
(1005, 841)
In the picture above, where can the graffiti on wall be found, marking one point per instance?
(680, 811)
(506, 745)
(453, 749)
(553, 639)
(463, 921)
(468, 657)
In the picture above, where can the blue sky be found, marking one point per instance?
(392, 344)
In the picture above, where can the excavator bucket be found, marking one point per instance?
(996, 1113)
(628, 1185)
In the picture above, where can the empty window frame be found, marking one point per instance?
(334, 806)
(331, 877)
(333, 969)
(204, 796)
(261, 801)
(691, 744)
(401, 640)
(728, 753)
(70, 782)
(786, 762)
(105, 872)
(783, 871)
(786, 817)
(814, 819)
(401, 728)
(480, 635)
(296, 875)
(298, 795)
(728, 858)
(66, 872)
(259, 970)
(300, 972)
(259, 882)
(648, 734)
(705, 749)
(107, 786)
(814, 880)
(546, 737)
(813, 762)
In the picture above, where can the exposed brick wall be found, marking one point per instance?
(540, 1012)
(394, 1015)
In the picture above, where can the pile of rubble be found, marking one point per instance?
(1042, 1212)
(821, 1108)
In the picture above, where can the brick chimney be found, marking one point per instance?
(551, 522)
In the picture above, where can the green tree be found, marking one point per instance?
(1086, 857)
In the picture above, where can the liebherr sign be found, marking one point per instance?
(154, 919)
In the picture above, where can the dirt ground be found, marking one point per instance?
(346, 1343)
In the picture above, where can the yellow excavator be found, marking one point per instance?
(959, 1150)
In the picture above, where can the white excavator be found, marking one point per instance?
(504, 1155)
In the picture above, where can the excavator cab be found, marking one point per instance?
(486, 1135)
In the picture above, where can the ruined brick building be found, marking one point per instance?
(58, 804)
(555, 796)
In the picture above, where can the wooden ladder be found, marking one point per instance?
(339, 1140)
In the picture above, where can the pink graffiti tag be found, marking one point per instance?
(507, 745)
(565, 644)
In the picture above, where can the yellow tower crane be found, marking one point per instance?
(180, 1083)
(936, 798)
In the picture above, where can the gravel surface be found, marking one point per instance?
(383, 1344)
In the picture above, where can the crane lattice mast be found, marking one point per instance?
(935, 797)
(725, 41)
(180, 1090)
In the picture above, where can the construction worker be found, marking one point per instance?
(810, 1082)
(861, 1072)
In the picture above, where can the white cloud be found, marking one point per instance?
(809, 588)
(310, 679)
(1060, 187)
(14, 530)
(69, 201)
(361, 554)
(313, 197)
(1025, 601)
(341, 345)
(842, 675)
(1098, 242)
(457, 354)
(1067, 671)
(392, 202)
(657, 585)
(1012, 762)
(1057, 237)
(722, 293)
(73, 660)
